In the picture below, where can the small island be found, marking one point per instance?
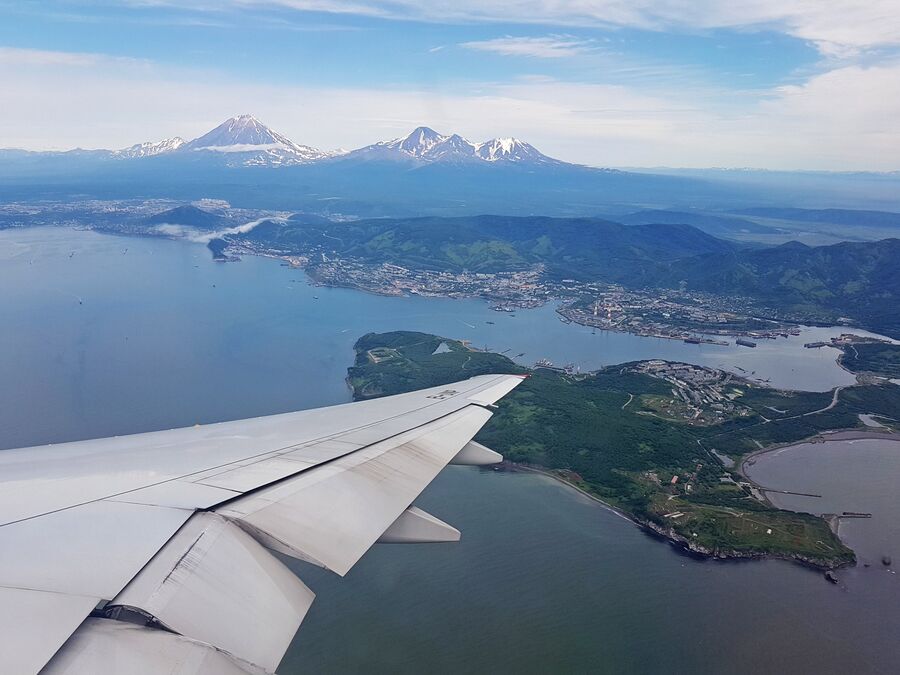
(660, 442)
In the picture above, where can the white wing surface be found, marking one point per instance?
(151, 553)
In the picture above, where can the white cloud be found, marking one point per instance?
(841, 119)
(198, 237)
(549, 47)
(13, 56)
(853, 23)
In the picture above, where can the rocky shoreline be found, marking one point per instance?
(733, 546)
(692, 548)
(679, 541)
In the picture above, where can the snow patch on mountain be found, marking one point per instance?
(427, 145)
(150, 148)
(246, 135)
(511, 150)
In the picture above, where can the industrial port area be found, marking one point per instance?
(694, 317)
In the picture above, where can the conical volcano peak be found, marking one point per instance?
(246, 134)
(420, 141)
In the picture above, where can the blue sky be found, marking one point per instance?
(787, 84)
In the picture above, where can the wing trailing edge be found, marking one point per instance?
(173, 559)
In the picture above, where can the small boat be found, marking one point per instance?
(886, 560)
(831, 577)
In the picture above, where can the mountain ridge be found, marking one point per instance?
(245, 141)
(424, 144)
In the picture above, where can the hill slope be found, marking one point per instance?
(860, 280)
(187, 215)
(582, 248)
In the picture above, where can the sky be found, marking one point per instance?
(777, 84)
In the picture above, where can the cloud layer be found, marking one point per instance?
(548, 47)
(848, 23)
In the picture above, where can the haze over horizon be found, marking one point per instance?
(788, 85)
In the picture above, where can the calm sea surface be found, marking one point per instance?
(103, 335)
(857, 476)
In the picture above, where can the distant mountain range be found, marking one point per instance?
(427, 145)
(246, 163)
(245, 141)
(150, 149)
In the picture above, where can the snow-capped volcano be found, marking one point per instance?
(150, 148)
(254, 142)
(453, 148)
(245, 141)
(511, 150)
(418, 143)
(427, 145)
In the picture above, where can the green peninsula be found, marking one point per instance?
(644, 438)
(876, 357)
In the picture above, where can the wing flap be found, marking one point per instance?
(215, 583)
(85, 520)
(106, 646)
(332, 514)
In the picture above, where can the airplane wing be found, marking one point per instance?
(151, 553)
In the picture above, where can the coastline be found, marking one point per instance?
(679, 542)
(821, 437)
(651, 520)
(502, 303)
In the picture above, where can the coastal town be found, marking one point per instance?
(676, 314)
(507, 290)
(691, 316)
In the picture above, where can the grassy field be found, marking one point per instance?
(873, 357)
(629, 457)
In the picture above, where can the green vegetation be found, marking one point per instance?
(608, 434)
(768, 427)
(582, 248)
(859, 280)
(390, 363)
(880, 358)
